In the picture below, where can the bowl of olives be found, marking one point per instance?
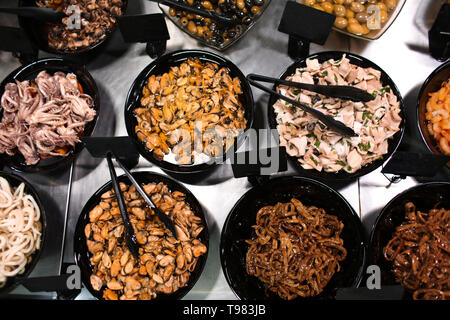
(364, 19)
(213, 33)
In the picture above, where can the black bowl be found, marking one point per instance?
(425, 197)
(162, 65)
(12, 282)
(29, 72)
(37, 32)
(385, 79)
(238, 228)
(82, 254)
(431, 84)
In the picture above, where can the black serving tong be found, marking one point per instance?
(329, 121)
(130, 236)
(123, 148)
(38, 13)
(204, 13)
(342, 92)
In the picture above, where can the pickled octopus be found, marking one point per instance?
(420, 253)
(319, 148)
(297, 249)
(192, 110)
(165, 263)
(44, 117)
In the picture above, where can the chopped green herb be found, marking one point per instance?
(291, 147)
(349, 168)
(287, 103)
(297, 91)
(364, 147)
(325, 73)
(317, 143)
(341, 141)
(367, 115)
(385, 89)
(341, 163)
(374, 94)
(336, 78)
(311, 135)
(314, 160)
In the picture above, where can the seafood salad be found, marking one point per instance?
(97, 19)
(44, 117)
(165, 263)
(319, 148)
(191, 112)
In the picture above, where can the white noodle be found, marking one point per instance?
(20, 229)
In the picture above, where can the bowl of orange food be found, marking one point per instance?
(433, 110)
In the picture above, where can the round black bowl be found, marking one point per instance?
(82, 254)
(425, 197)
(385, 79)
(238, 228)
(29, 72)
(37, 32)
(162, 65)
(431, 84)
(12, 282)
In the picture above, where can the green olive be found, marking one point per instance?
(341, 22)
(356, 7)
(361, 17)
(339, 10)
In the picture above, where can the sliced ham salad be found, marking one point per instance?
(320, 148)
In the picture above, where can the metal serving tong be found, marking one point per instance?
(38, 13)
(343, 92)
(130, 236)
(204, 13)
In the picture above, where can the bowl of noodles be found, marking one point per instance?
(276, 230)
(22, 230)
(410, 242)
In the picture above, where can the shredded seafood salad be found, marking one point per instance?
(44, 117)
(319, 148)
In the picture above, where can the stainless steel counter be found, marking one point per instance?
(401, 52)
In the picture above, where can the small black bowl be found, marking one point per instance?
(162, 65)
(82, 254)
(238, 228)
(37, 32)
(29, 72)
(385, 79)
(14, 181)
(431, 84)
(425, 197)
